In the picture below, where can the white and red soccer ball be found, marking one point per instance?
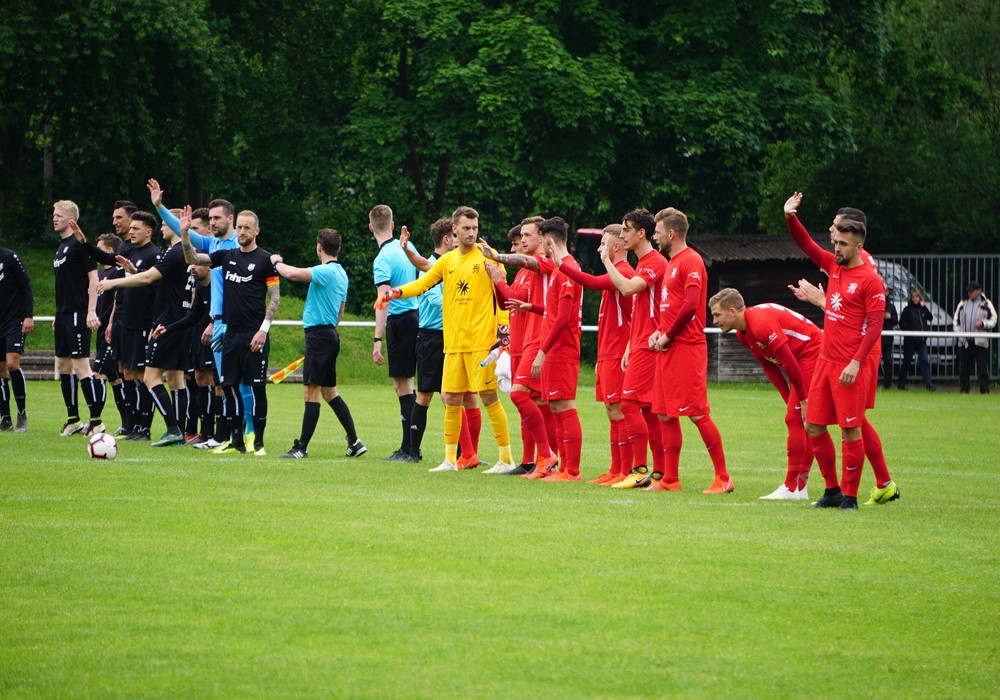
(102, 446)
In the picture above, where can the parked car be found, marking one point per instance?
(898, 283)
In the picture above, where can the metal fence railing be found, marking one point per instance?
(943, 280)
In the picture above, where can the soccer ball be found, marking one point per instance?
(102, 446)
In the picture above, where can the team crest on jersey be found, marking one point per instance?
(836, 301)
(475, 268)
(852, 287)
(463, 287)
(251, 266)
(673, 273)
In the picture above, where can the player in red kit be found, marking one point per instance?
(525, 299)
(557, 362)
(639, 362)
(784, 343)
(855, 304)
(613, 332)
(682, 365)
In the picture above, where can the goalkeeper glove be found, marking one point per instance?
(383, 300)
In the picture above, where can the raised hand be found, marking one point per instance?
(792, 205)
(126, 264)
(77, 232)
(404, 237)
(155, 193)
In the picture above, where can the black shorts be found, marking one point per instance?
(132, 348)
(12, 339)
(201, 354)
(239, 364)
(322, 349)
(105, 359)
(401, 341)
(430, 360)
(170, 350)
(72, 337)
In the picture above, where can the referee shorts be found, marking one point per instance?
(430, 360)
(322, 349)
(401, 341)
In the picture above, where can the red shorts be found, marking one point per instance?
(608, 381)
(871, 367)
(682, 381)
(830, 403)
(523, 374)
(794, 401)
(559, 380)
(639, 382)
(515, 361)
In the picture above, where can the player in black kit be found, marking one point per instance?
(76, 317)
(106, 357)
(133, 317)
(168, 353)
(17, 307)
(249, 278)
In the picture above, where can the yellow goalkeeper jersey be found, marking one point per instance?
(469, 307)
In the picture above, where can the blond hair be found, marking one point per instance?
(67, 207)
(380, 218)
(727, 298)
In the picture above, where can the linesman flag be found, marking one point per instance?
(287, 371)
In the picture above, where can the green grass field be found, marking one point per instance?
(171, 573)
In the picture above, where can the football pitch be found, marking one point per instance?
(174, 573)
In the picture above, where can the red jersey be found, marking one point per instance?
(537, 291)
(684, 270)
(770, 326)
(519, 289)
(645, 313)
(562, 343)
(614, 320)
(854, 295)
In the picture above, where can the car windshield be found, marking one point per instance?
(899, 281)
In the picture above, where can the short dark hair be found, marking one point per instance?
(146, 218)
(225, 204)
(851, 226)
(641, 219)
(111, 240)
(440, 229)
(514, 234)
(329, 241)
(555, 227)
(853, 214)
(201, 213)
(128, 206)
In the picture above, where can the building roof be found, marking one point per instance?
(736, 248)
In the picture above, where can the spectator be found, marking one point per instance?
(915, 317)
(975, 314)
(891, 322)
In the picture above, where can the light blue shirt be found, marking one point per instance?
(430, 305)
(392, 267)
(327, 291)
(204, 244)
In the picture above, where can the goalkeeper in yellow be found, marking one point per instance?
(469, 311)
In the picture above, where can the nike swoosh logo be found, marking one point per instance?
(629, 391)
(553, 392)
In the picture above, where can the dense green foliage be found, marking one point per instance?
(310, 113)
(172, 573)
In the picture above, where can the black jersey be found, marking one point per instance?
(173, 298)
(199, 315)
(17, 301)
(106, 300)
(72, 267)
(135, 304)
(246, 277)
